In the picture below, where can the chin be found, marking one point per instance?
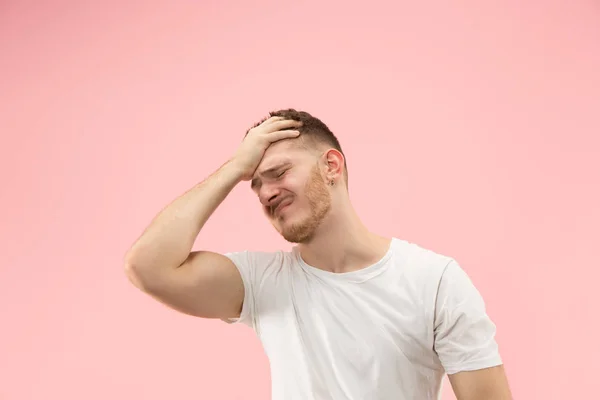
(296, 237)
(299, 231)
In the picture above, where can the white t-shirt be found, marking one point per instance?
(388, 331)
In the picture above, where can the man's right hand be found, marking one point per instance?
(253, 147)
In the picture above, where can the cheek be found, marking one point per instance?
(293, 184)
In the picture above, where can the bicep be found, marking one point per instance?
(487, 383)
(206, 285)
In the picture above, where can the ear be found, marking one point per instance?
(334, 164)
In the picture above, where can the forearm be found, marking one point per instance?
(169, 238)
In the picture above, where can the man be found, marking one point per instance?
(347, 314)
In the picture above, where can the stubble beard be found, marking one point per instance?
(319, 200)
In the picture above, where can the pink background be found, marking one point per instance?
(470, 128)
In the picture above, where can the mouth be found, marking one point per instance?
(277, 210)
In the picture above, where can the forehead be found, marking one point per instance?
(283, 152)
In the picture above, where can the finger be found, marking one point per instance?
(270, 120)
(284, 124)
(280, 135)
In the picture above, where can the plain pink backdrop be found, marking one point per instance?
(470, 127)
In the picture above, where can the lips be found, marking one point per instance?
(281, 205)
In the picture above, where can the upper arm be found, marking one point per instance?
(206, 285)
(464, 334)
(488, 383)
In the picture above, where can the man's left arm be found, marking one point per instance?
(465, 339)
(487, 383)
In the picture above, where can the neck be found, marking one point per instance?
(342, 243)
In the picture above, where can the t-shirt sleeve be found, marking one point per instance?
(253, 268)
(464, 335)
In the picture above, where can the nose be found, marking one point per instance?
(268, 194)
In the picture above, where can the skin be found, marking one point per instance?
(488, 383)
(319, 217)
(293, 185)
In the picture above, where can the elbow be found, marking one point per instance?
(144, 277)
(134, 271)
(129, 265)
(131, 272)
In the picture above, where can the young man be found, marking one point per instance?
(347, 314)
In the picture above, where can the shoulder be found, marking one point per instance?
(259, 265)
(420, 263)
(261, 272)
(261, 259)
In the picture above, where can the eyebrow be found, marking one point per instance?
(270, 172)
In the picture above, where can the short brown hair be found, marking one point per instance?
(312, 132)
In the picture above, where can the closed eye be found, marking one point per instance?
(272, 173)
(281, 173)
